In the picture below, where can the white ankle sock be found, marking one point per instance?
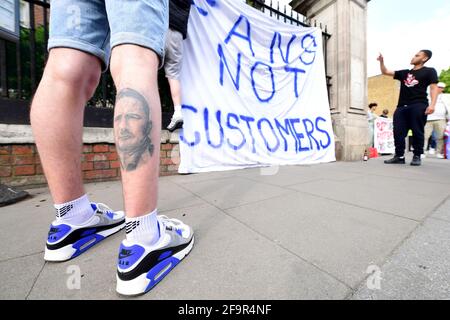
(143, 230)
(177, 109)
(76, 212)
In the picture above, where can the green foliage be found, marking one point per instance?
(25, 58)
(445, 77)
(253, 3)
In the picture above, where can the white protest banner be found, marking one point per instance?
(254, 91)
(384, 135)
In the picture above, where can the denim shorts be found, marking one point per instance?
(97, 26)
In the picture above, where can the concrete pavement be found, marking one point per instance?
(360, 230)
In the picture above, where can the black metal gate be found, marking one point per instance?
(22, 65)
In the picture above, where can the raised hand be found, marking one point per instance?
(380, 58)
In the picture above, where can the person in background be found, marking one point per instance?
(385, 113)
(371, 118)
(413, 105)
(437, 121)
(431, 143)
(178, 22)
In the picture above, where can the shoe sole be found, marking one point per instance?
(146, 281)
(71, 251)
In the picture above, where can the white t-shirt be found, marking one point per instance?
(442, 110)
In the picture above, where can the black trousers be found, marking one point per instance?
(410, 117)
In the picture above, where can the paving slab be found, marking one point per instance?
(300, 232)
(24, 225)
(411, 199)
(432, 170)
(233, 191)
(170, 195)
(290, 175)
(228, 262)
(418, 270)
(443, 212)
(341, 239)
(94, 271)
(19, 275)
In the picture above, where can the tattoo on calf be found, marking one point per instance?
(132, 128)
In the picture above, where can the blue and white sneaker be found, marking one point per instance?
(66, 241)
(140, 268)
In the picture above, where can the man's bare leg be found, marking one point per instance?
(154, 245)
(175, 91)
(134, 70)
(68, 82)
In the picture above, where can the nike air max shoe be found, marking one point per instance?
(66, 241)
(140, 268)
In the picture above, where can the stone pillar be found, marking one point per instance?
(346, 21)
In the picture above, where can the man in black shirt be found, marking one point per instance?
(413, 106)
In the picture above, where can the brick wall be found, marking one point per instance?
(39, 15)
(385, 91)
(169, 159)
(20, 164)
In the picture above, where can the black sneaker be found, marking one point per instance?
(416, 161)
(396, 160)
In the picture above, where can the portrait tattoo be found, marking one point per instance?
(132, 128)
